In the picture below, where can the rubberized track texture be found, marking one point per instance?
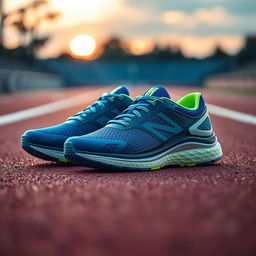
(56, 209)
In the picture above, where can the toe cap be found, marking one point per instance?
(41, 138)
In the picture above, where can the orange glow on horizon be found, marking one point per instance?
(204, 46)
(103, 18)
(141, 46)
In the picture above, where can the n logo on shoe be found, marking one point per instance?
(156, 129)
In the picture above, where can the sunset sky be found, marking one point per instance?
(196, 26)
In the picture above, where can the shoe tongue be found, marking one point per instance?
(157, 91)
(121, 90)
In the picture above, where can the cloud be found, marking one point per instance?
(216, 16)
(176, 18)
(203, 46)
(237, 7)
(96, 11)
(197, 26)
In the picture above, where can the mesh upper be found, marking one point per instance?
(67, 129)
(182, 119)
(136, 139)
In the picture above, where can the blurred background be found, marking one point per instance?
(203, 43)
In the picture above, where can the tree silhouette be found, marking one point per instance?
(166, 53)
(219, 54)
(114, 48)
(27, 21)
(248, 52)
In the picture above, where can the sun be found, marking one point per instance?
(82, 45)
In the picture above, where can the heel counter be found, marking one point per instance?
(206, 125)
(203, 125)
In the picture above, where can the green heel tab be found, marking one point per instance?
(190, 101)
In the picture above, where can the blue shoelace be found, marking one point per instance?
(135, 108)
(100, 103)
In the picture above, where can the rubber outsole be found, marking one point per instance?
(76, 159)
(26, 145)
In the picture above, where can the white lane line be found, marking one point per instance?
(228, 113)
(48, 108)
(79, 99)
(231, 114)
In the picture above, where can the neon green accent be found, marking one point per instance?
(168, 99)
(190, 101)
(155, 99)
(127, 96)
(151, 91)
(115, 90)
(155, 168)
(148, 92)
(183, 165)
(62, 160)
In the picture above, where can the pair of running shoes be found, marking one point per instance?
(117, 132)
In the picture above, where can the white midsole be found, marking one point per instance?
(50, 152)
(189, 156)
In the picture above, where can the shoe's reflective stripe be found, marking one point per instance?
(202, 153)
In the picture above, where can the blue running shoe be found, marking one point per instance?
(154, 132)
(48, 143)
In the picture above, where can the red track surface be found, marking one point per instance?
(51, 209)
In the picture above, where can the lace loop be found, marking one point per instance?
(100, 103)
(134, 110)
